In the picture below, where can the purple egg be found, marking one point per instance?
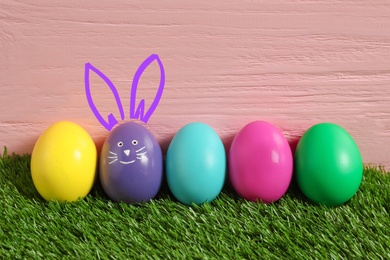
(131, 164)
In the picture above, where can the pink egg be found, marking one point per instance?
(260, 162)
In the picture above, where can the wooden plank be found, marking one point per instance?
(293, 63)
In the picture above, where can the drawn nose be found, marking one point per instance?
(127, 152)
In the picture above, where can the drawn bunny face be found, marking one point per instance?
(131, 163)
(128, 144)
(126, 155)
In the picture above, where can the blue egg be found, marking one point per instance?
(196, 164)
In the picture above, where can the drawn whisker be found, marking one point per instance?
(112, 157)
(112, 153)
(140, 149)
(113, 161)
(141, 156)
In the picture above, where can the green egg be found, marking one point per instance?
(328, 165)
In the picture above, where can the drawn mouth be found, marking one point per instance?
(122, 162)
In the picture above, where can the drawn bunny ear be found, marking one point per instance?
(139, 113)
(111, 120)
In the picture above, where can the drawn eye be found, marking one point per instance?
(120, 144)
(134, 142)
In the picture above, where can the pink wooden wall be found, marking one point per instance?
(292, 63)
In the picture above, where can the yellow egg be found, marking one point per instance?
(63, 162)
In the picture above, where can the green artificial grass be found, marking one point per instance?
(229, 227)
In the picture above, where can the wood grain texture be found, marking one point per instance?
(292, 63)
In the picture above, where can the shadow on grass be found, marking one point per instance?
(15, 170)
